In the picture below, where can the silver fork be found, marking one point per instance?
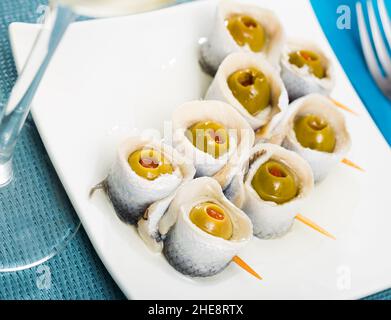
(383, 81)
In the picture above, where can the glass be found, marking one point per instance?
(34, 227)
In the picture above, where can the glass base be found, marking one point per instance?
(36, 218)
(6, 173)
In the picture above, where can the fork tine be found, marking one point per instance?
(385, 20)
(381, 49)
(367, 47)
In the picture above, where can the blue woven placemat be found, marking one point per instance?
(77, 272)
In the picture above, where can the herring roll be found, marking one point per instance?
(253, 87)
(143, 172)
(271, 189)
(317, 131)
(242, 27)
(306, 69)
(204, 231)
(214, 136)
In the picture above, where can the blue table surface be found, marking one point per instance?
(77, 272)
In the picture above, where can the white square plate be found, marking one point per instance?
(114, 75)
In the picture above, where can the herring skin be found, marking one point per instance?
(176, 257)
(128, 212)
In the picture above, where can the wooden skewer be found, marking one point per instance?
(352, 164)
(343, 107)
(314, 226)
(246, 267)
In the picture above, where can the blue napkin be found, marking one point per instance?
(347, 47)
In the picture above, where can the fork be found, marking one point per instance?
(383, 81)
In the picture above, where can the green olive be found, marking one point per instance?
(210, 137)
(212, 219)
(274, 181)
(251, 88)
(149, 163)
(310, 59)
(244, 29)
(315, 133)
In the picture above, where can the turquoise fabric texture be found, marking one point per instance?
(77, 272)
